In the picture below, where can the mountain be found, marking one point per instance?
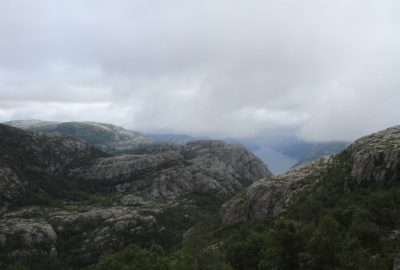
(340, 212)
(65, 203)
(203, 205)
(106, 137)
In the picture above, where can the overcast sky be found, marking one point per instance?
(321, 70)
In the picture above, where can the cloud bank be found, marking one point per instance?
(321, 70)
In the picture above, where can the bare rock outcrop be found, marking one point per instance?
(221, 158)
(120, 169)
(202, 167)
(24, 237)
(376, 158)
(272, 195)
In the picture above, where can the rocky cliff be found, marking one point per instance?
(270, 196)
(376, 158)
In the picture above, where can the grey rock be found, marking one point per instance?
(21, 237)
(220, 158)
(120, 169)
(203, 167)
(376, 158)
(271, 196)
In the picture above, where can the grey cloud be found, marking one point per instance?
(324, 70)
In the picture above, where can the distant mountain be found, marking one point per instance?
(309, 151)
(107, 137)
(280, 157)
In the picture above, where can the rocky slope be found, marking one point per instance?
(65, 201)
(270, 196)
(374, 158)
(202, 167)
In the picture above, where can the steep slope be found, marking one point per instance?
(271, 196)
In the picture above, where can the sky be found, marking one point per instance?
(316, 69)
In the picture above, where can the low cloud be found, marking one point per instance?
(324, 70)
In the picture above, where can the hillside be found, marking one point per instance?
(65, 203)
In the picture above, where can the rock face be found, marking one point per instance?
(202, 167)
(219, 157)
(376, 158)
(120, 169)
(272, 195)
(23, 237)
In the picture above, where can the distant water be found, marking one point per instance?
(277, 162)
